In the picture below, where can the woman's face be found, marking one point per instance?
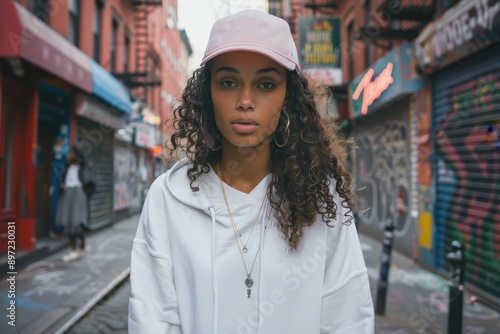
(70, 158)
(248, 91)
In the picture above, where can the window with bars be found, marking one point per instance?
(351, 50)
(114, 43)
(40, 8)
(74, 22)
(126, 53)
(368, 44)
(97, 30)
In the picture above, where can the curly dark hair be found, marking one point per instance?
(302, 170)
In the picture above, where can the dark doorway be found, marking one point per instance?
(46, 135)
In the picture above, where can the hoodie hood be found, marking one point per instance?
(177, 182)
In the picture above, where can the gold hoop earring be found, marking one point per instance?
(287, 130)
(303, 139)
(216, 149)
(210, 140)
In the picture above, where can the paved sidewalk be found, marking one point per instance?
(417, 300)
(50, 292)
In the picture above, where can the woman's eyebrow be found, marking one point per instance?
(267, 70)
(227, 69)
(233, 70)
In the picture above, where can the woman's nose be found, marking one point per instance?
(246, 101)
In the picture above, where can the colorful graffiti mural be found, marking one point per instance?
(121, 179)
(128, 179)
(468, 180)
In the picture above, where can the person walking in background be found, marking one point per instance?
(77, 185)
(253, 231)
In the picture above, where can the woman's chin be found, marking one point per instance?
(251, 143)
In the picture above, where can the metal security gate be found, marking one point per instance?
(99, 141)
(383, 173)
(466, 133)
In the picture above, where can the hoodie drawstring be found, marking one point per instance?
(265, 220)
(214, 275)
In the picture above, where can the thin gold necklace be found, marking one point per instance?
(249, 280)
(244, 246)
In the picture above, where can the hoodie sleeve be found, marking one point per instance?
(347, 302)
(153, 300)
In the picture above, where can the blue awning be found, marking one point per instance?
(109, 89)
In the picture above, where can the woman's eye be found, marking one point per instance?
(267, 85)
(227, 84)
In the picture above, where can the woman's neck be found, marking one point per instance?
(244, 168)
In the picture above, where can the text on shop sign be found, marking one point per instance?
(373, 89)
(481, 17)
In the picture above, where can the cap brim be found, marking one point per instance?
(283, 61)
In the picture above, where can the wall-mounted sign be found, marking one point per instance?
(372, 89)
(319, 42)
(389, 78)
(145, 135)
(464, 29)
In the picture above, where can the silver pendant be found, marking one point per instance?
(249, 284)
(245, 249)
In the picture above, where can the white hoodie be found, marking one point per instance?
(187, 274)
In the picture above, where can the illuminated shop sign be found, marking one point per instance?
(389, 78)
(372, 89)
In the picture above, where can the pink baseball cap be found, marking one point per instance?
(255, 31)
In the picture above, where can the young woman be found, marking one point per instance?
(72, 206)
(252, 233)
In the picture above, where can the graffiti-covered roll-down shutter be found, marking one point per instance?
(466, 134)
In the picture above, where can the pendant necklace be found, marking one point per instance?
(242, 248)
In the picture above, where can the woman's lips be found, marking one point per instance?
(244, 126)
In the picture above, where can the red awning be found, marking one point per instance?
(24, 35)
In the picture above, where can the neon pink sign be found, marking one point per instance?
(373, 89)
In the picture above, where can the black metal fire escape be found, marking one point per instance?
(325, 7)
(146, 74)
(397, 20)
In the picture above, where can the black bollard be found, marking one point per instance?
(385, 266)
(456, 259)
